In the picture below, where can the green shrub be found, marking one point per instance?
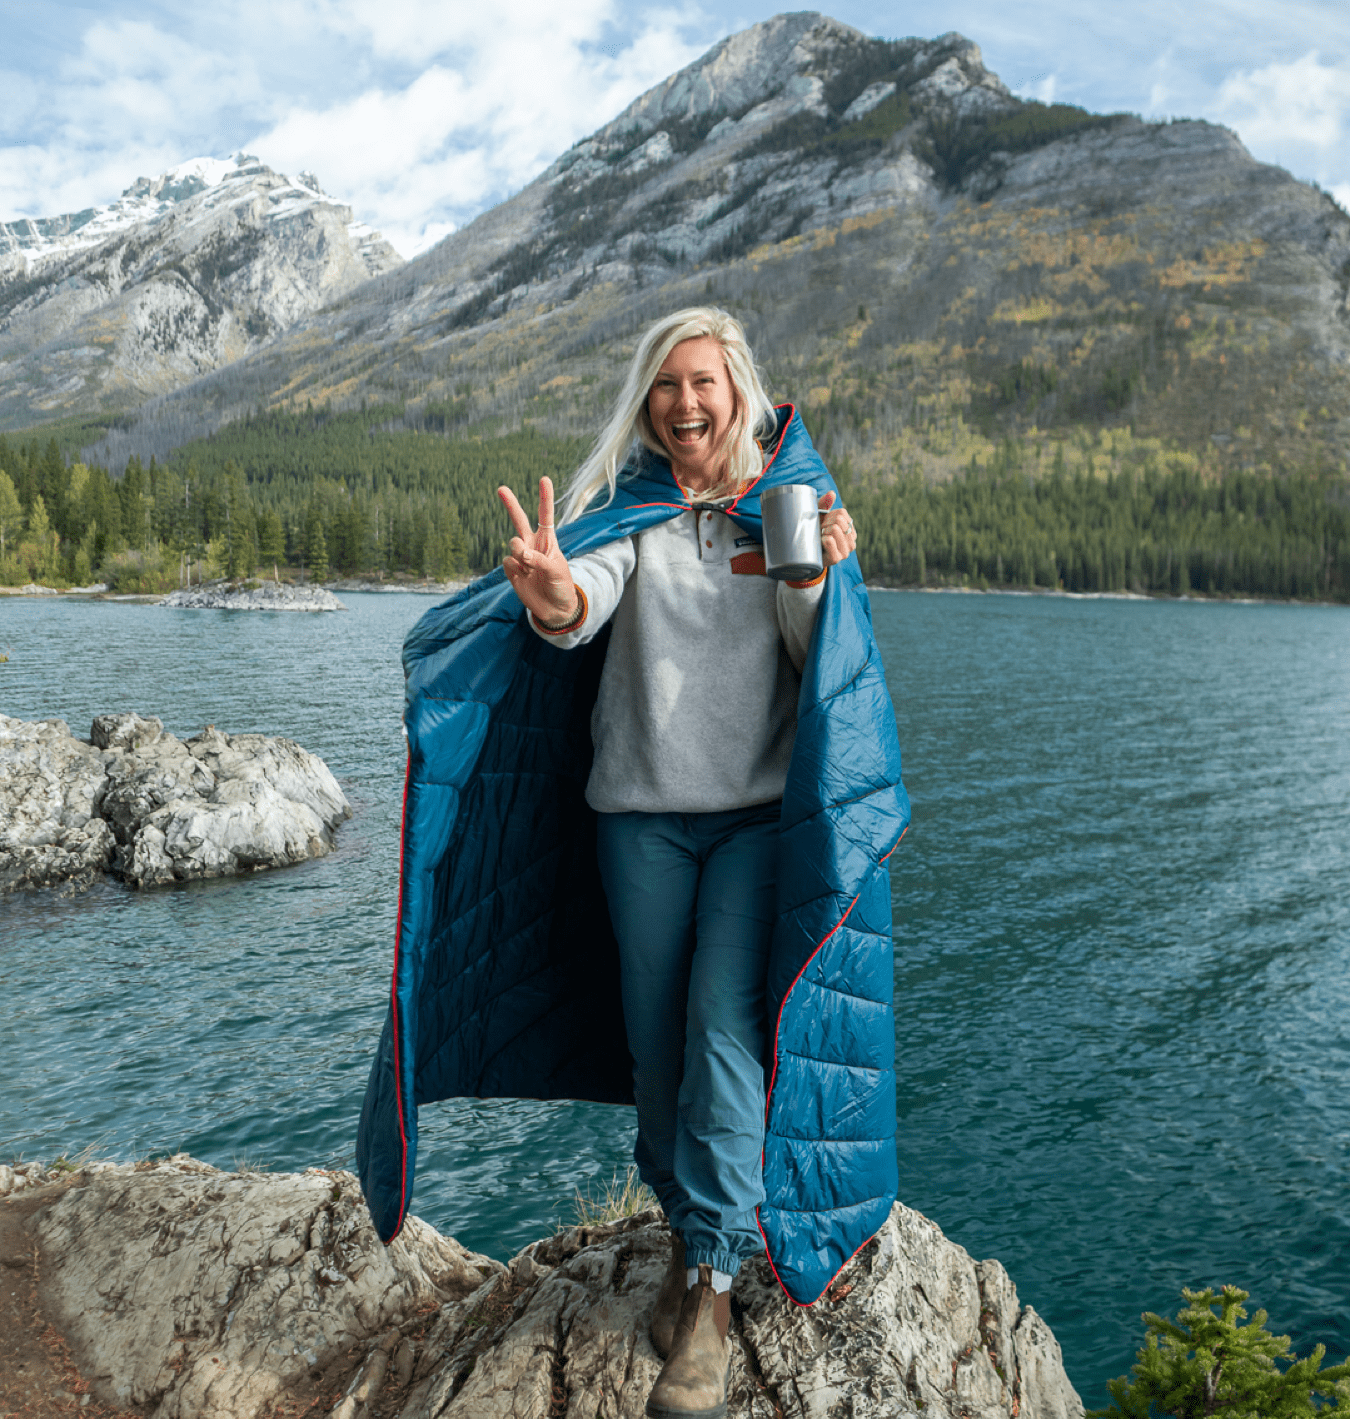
(138, 573)
(1205, 1363)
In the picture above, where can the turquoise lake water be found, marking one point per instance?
(1122, 946)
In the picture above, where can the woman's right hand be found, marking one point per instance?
(535, 565)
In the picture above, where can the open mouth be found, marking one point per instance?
(690, 432)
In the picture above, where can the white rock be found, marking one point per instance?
(124, 731)
(254, 596)
(155, 808)
(204, 1295)
(866, 101)
(217, 805)
(912, 1324)
(50, 787)
(193, 1292)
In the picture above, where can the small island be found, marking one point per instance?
(253, 595)
(137, 802)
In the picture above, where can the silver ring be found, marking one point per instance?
(546, 527)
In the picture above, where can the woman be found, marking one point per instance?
(693, 731)
(631, 726)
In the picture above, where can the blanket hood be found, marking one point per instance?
(504, 956)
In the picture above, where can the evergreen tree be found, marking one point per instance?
(1205, 1363)
(44, 540)
(11, 512)
(240, 525)
(316, 545)
(271, 539)
(445, 551)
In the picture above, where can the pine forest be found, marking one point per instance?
(382, 492)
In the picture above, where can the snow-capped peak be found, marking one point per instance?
(37, 239)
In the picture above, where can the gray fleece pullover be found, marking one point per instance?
(697, 708)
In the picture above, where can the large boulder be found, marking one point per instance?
(912, 1325)
(50, 786)
(196, 1294)
(154, 808)
(217, 805)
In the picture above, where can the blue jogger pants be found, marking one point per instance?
(692, 900)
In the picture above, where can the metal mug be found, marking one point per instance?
(792, 550)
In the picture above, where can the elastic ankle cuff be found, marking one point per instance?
(719, 1260)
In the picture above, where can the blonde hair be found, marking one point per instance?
(630, 422)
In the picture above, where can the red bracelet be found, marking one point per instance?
(571, 624)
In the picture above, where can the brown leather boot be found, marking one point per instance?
(669, 1299)
(693, 1382)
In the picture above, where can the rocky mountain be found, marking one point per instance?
(929, 265)
(185, 273)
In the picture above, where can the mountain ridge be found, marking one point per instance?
(928, 265)
(183, 273)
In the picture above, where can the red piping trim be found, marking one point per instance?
(749, 487)
(393, 1005)
(745, 491)
(768, 1097)
(805, 1305)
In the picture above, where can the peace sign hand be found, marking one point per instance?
(535, 566)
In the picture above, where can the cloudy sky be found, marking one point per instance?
(421, 113)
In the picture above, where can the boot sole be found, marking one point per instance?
(718, 1411)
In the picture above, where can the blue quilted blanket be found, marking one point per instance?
(505, 976)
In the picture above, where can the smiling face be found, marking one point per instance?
(692, 406)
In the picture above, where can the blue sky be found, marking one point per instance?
(421, 113)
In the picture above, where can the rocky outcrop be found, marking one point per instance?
(191, 1292)
(254, 596)
(912, 1324)
(153, 808)
(196, 1293)
(51, 785)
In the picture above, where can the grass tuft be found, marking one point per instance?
(622, 1197)
(242, 1163)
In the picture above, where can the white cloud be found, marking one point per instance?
(412, 29)
(423, 158)
(128, 100)
(1295, 114)
(1159, 91)
(1304, 103)
(417, 112)
(422, 112)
